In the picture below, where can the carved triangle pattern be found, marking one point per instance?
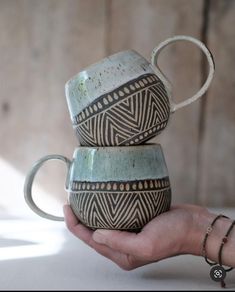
(119, 210)
(131, 114)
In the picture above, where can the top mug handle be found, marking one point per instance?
(155, 53)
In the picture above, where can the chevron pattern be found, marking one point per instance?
(131, 114)
(123, 206)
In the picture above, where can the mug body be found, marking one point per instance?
(119, 187)
(118, 101)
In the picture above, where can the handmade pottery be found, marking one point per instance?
(124, 99)
(112, 187)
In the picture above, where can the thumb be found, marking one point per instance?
(122, 241)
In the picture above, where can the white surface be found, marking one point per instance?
(38, 254)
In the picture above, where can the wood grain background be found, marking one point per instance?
(43, 43)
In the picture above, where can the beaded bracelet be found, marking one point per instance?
(218, 272)
(208, 231)
(224, 241)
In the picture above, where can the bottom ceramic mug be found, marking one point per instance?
(112, 187)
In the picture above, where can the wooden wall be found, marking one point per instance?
(43, 43)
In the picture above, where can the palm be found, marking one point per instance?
(162, 237)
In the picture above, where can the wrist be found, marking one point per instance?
(217, 242)
(199, 218)
(202, 219)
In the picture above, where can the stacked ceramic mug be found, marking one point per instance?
(117, 179)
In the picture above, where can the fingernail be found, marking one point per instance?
(100, 236)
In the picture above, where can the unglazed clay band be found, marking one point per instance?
(210, 60)
(29, 182)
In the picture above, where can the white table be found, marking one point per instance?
(38, 254)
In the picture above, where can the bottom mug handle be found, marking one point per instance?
(29, 182)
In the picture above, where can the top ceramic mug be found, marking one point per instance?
(124, 99)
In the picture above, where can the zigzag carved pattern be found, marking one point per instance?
(120, 210)
(131, 114)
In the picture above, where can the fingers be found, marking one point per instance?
(124, 261)
(85, 234)
(70, 218)
(118, 258)
(75, 226)
(124, 242)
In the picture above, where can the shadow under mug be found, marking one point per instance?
(111, 187)
(124, 99)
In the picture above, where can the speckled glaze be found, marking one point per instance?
(124, 99)
(102, 77)
(112, 187)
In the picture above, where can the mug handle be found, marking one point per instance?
(29, 183)
(155, 53)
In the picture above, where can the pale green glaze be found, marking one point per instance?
(103, 77)
(118, 163)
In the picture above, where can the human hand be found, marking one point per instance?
(172, 233)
